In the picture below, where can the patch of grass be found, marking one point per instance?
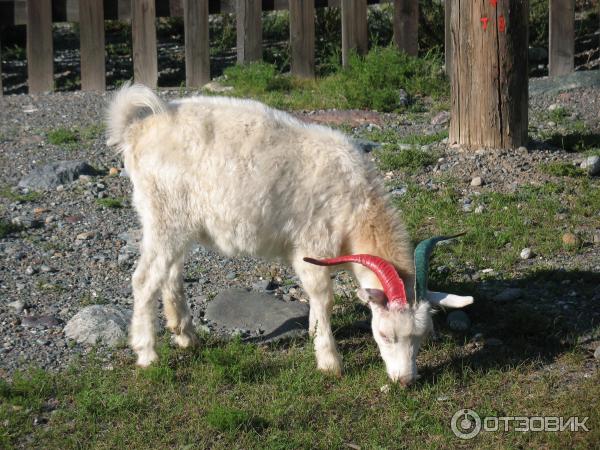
(391, 136)
(63, 136)
(7, 228)
(530, 217)
(92, 132)
(9, 194)
(412, 159)
(182, 402)
(369, 82)
(558, 169)
(109, 202)
(226, 419)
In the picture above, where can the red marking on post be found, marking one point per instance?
(501, 24)
(484, 22)
(494, 2)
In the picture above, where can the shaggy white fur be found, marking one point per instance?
(243, 178)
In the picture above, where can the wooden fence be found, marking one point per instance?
(38, 16)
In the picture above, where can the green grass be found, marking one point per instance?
(63, 136)
(184, 401)
(369, 82)
(7, 193)
(110, 202)
(412, 159)
(562, 170)
(530, 217)
(7, 228)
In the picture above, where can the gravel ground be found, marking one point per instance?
(76, 252)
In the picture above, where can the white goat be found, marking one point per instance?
(243, 178)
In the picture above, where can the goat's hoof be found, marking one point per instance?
(146, 358)
(186, 340)
(331, 364)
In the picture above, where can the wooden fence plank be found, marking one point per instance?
(124, 8)
(1, 88)
(91, 36)
(197, 58)
(406, 26)
(354, 28)
(143, 31)
(39, 46)
(562, 37)
(302, 37)
(249, 30)
(447, 37)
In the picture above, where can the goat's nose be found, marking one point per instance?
(406, 380)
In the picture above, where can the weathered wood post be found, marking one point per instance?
(91, 43)
(249, 30)
(40, 51)
(489, 79)
(562, 37)
(197, 57)
(406, 26)
(354, 28)
(143, 33)
(302, 37)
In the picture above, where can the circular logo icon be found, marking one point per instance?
(465, 424)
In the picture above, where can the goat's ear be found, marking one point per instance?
(448, 300)
(375, 296)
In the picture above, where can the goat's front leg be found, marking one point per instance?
(177, 310)
(317, 284)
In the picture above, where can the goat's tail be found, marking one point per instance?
(130, 103)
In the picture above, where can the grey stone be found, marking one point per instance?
(509, 294)
(555, 85)
(45, 321)
(592, 164)
(526, 253)
(231, 276)
(248, 310)
(55, 174)
(458, 321)
(553, 107)
(597, 353)
(477, 181)
(99, 323)
(366, 145)
(18, 306)
(403, 98)
(441, 118)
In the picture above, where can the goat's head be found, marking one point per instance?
(398, 326)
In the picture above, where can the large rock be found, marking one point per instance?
(106, 324)
(55, 174)
(274, 319)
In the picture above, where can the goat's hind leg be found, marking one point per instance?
(177, 310)
(154, 267)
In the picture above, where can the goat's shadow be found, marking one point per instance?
(558, 311)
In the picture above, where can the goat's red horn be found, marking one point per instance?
(393, 286)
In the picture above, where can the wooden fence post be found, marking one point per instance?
(354, 28)
(249, 30)
(406, 26)
(302, 37)
(489, 81)
(91, 41)
(562, 37)
(447, 37)
(143, 30)
(40, 52)
(197, 57)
